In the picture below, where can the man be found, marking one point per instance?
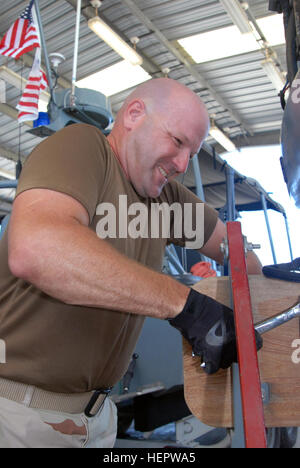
(73, 303)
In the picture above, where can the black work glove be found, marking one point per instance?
(209, 327)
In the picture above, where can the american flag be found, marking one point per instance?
(29, 104)
(21, 37)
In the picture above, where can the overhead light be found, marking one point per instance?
(227, 42)
(238, 15)
(273, 72)
(105, 80)
(223, 42)
(99, 27)
(221, 138)
(19, 82)
(272, 27)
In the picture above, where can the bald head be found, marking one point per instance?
(160, 126)
(163, 96)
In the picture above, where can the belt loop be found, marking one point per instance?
(28, 396)
(94, 400)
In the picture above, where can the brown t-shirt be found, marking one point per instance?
(69, 348)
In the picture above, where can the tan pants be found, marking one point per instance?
(23, 427)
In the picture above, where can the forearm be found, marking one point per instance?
(72, 264)
(254, 266)
(212, 249)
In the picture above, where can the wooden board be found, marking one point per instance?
(209, 398)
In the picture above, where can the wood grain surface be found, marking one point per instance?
(210, 397)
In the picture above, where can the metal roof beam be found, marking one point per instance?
(258, 139)
(8, 154)
(182, 59)
(5, 206)
(12, 113)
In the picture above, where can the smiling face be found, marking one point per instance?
(163, 130)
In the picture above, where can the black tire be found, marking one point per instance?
(273, 437)
(288, 437)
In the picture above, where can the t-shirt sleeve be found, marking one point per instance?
(195, 221)
(71, 161)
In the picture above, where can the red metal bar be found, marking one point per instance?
(253, 414)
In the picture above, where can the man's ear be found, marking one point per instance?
(135, 110)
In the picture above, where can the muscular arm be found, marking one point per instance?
(51, 246)
(212, 250)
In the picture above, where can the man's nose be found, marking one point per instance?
(181, 161)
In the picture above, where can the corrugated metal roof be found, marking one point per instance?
(238, 89)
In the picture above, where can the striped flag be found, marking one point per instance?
(21, 37)
(29, 104)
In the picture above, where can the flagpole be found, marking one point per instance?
(75, 58)
(44, 47)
